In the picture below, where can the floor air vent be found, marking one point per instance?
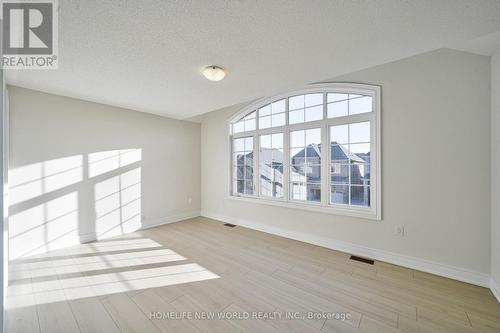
(364, 260)
(229, 225)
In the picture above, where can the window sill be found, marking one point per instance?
(364, 213)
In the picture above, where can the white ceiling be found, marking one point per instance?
(485, 45)
(146, 55)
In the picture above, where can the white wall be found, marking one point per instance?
(80, 170)
(4, 265)
(435, 166)
(495, 173)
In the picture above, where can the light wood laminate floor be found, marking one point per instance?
(201, 268)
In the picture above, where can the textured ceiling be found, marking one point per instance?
(485, 45)
(147, 55)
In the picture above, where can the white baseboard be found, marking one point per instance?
(170, 219)
(495, 289)
(452, 272)
(85, 238)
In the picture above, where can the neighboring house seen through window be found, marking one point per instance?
(279, 156)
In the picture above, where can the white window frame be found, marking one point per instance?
(374, 212)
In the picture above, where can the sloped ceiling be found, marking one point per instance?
(147, 55)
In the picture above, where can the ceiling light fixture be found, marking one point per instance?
(214, 73)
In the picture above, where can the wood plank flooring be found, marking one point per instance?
(140, 282)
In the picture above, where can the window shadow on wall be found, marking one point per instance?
(75, 199)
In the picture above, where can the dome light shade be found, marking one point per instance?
(214, 73)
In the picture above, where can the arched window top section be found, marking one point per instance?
(316, 149)
(315, 103)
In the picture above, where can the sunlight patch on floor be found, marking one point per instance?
(105, 284)
(89, 270)
(44, 269)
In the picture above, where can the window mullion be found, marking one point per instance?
(374, 179)
(286, 156)
(325, 112)
(286, 165)
(324, 158)
(256, 165)
(231, 166)
(349, 163)
(257, 119)
(357, 118)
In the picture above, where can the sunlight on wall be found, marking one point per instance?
(33, 180)
(49, 226)
(40, 223)
(106, 161)
(118, 204)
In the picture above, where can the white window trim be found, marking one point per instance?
(374, 212)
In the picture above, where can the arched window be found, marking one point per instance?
(316, 149)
